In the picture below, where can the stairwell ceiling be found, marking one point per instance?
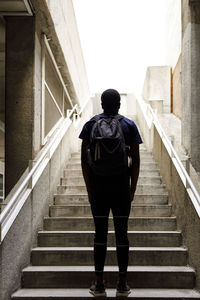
(15, 8)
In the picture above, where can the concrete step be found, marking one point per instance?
(143, 153)
(81, 277)
(146, 189)
(142, 199)
(143, 172)
(143, 159)
(78, 294)
(137, 210)
(138, 224)
(85, 238)
(83, 256)
(143, 165)
(73, 181)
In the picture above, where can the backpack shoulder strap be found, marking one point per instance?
(118, 117)
(96, 118)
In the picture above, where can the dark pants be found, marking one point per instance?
(111, 193)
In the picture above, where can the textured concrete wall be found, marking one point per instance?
(191, 80)
(15, 249)
(20, 34)
(62, 13)
(131, 105)
(147, 133)
(2, 70)
(36, 134)
(177, 98)
(56, 19)
(173, 32)
(187, 219)
(157, 86)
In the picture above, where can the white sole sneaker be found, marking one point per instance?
(96, 294)
(123, 294)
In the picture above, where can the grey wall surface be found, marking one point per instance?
(188, 220)
(36, 134)
(191, 80)
(16, 247)
(56, 19)
(177, 97)
(157, 86)
(2, 70)
(20, 37)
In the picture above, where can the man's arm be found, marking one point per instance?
(85, 167)
(135, 155)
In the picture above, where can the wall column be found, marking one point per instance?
(20, 43)
(191, 80)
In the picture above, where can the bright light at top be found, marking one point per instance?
(119, 39)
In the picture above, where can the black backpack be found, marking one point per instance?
(107, 151)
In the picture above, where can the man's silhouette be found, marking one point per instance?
(113, 192)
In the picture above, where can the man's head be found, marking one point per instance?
(110, 101)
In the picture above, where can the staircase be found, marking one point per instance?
(62, 264)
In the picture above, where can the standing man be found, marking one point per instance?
(110, 183)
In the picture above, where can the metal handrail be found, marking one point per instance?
(186, 180)
(7, 212)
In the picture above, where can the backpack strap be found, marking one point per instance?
(118, 117)
(96, 118)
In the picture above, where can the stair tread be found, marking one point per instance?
(108, 268)
(85, 194)
(72, 293)
(91, 218)
(109, 249)
(81, 177)
(88, 205)
(110, 231)
(145, 184)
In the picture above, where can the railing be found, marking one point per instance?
(22, 193)
(65, 95)
(150, 118)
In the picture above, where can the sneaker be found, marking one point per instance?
(98, 289)
(123, 289)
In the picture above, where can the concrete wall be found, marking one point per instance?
(56, 19)
(15, 249)
(187, 219)
(157, 86)
(2, 70)
(20, 43)
(37, 107)
(24, 78)
(191, 80)
(177, 97)
(173, 50)
(131, 105)
(65, 25)
(173, 32)
(146, 131)
(2, 88)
